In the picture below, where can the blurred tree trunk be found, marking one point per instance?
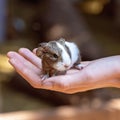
(0, 97)
(117, 12)
(2, 20)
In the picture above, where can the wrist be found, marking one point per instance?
(116, 72)
(110, 74)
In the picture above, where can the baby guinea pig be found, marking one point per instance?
(58, 56)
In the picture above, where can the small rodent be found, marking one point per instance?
(58, 56)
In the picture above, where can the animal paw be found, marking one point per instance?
(79, 66)
(43, 77)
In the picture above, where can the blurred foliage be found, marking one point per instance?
(93, 6)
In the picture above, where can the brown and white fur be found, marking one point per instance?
(58, 56)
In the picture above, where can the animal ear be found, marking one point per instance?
(61, 41)
(42, 44)
(39, 52)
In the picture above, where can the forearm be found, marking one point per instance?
(115, 82)
(104, 72)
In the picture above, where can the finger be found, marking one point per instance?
(22, 61)
(34, 50)
(28, 74)
(30, 57)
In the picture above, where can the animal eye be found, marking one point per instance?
(55, 56)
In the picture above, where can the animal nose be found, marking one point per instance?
(66, 66)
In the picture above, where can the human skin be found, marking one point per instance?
(100, 73)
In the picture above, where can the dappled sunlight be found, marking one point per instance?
(114, 103)
(6, 70)
(94, 6)
(5, 67)
(66, 112)
(22, 115)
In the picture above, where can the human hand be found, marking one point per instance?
(99, 73)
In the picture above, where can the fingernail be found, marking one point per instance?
(23, 50)
(10, 54)
(47, 85)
